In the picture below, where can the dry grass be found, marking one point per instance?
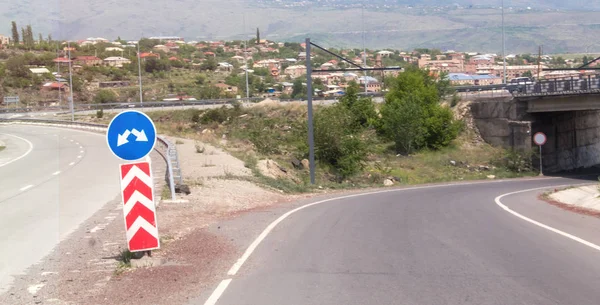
(270, 130)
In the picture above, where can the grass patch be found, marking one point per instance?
(279, 133)
(2, 148)
(124, 263)
(179, 142)
(166, 192)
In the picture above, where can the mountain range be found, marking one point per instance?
(560, 26)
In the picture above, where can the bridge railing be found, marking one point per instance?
(164, 147)
(561, 86)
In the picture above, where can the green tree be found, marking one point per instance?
(362, 109)
(16, 66)
(336, 141)
(210, 64)
(298, 89)
(24, 36)
(257, 35)
(29, 42)
(15, 33)
(105, 96)
(412, 116)
(156, 65)
(527, 74)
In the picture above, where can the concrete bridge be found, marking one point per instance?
(566, 110)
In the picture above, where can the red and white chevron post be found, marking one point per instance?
(137, 189)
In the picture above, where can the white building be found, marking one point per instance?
(116, 61)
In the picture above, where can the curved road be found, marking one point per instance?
(450, 244)
(51, 180)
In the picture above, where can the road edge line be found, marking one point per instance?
(539, 224)
(21, 156)
(214, 297)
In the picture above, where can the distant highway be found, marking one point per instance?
(51, 181)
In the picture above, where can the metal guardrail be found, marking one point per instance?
(165, 148)
(561, 86)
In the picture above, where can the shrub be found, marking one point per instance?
(99, 113)
(336, 140)
(215, 115)
(105, 96)
(412, 116)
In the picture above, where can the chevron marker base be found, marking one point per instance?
(139, 211)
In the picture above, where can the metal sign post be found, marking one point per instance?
(540, 139)
(11, 100)
(131, 136)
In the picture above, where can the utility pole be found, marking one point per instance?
(70, 82)
(246, 60)
(364, 48)
(140, 71)
(503, 44)
(539, 63)
(58, 72)
(309, 93)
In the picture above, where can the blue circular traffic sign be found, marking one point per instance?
(131, 135)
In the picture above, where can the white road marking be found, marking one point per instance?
(33, 289)
(80, 147)
(214, 297)
(71, 140)
(72, 163)
(48, 273)
(79, 157)
(55, 173)
(26, 187)
(21, 156)
(539, 224)
(81, 151)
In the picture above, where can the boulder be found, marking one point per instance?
(305, 163)
(388, 182)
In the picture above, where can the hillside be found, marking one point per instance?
(447, 27)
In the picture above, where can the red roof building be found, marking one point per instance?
(88, 60)
(145, 55)
(62, 60)
(209, 54)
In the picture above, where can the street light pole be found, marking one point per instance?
(309, 93)
(70, 83)
(503, 45)
(140, 72)
(246, 60)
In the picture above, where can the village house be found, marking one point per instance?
(161, 47)
(462, 79)
(113, 49)
(55, 86)
(295, 71)
(145, 55)
(39, 71)
(227, 88)
(511, 71)
(267, 63)
(116, 61)
(87, 61)
(385, 53)
(4, 41)
(239, 59)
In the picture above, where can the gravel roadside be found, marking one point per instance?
(86, 268)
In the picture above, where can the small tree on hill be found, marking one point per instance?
(412, 115)
(105, 96)
(15, 33)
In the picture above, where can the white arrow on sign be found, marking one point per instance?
(140, 136)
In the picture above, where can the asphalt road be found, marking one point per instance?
(51, 181)
(437, 245)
